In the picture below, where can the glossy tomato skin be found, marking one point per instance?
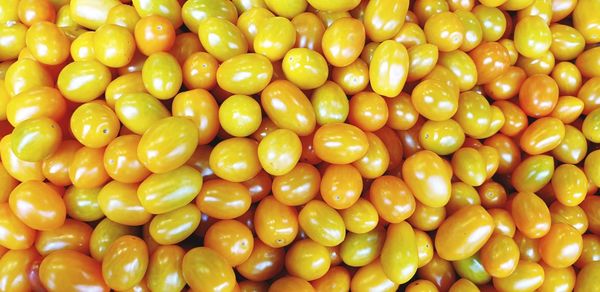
(275, 233)
(205, 270)
(400, 243)
(162, 193)
(104, 234)
(383, 18)
(392, 199)
(67, 270)
(389, 68)
(473, 221)
(72, 235)
(164, 268)
(340, 143)
(341, 185)
(15, 265)
(125, 262)
(17, 235)
(38, 205)
(245, 74)
(370, 276)
(527, 276)
(264, 262)
(298, 116)
(158, 150)
(361, 249)
(531, 215)
(420, 171)
(223, 199)
(235, 159)
(322, 223)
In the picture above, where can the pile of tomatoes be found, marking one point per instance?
(299, 145)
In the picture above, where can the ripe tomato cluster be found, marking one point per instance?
(299, 145)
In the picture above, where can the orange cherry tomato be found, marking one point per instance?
(340, 143)
(232, 239)
(67, 270)
(223, 199)
(531, 215)
(235, 159)
(264, 262)
(428, 177)
(38, 205)
(154, 33)
(275, 232)
(463, 233)
(341, 185)
(87, 168)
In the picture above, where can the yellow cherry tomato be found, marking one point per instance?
(443, 137)
(164, 269)
(305, 68)
(170, 9)
(36, 139)
(359, 250)
(19, 169)
(17, 235)
(528, 276)
(113, 45)
(277, 224)
(279, 151)
(125, 262)
(531, 215)
(532, 37)
(492, 20)
(377, 159)
(223, 199)
(584, 20)
(435, 100)
(274, 38)
(139, 111)
(322, 223)
(194, 12)
(91, 14)
(389, 68)
(127, 83)
(26, 74)
(384, 18)
(222, 39)
(340, 143)
(343, 41)
(567, 42)
(427, 175)
(201, 107)
(542, 135)
(235, 159)
(533, 173)
(83, 81)
(330, 104)
(422, 59)
(445, 30)
(399, 255)
(82, 204)
(120, 203)
(94, 124)
(298, 114)
(165, 192)
(372, 275)
(569, 184)
(500, 256)
(240, 115)
(167, 144)
(175, 226)
(12, 40)
(245, 74)
(473, 31)
(463, 233)
(162, 75)
(47, 43)
(123, 15)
